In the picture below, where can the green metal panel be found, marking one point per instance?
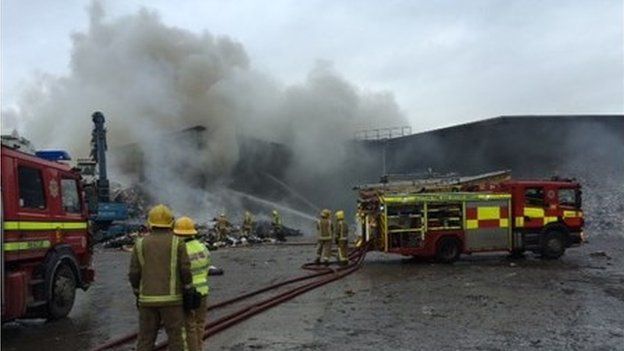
(441, 197)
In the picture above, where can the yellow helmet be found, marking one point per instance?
(340, 215)
(275, 212)
(325, 213)
(160, 216)
(184, 226)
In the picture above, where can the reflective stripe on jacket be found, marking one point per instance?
(342, 230)
(159, 268)
(200, 261)
(324, 229)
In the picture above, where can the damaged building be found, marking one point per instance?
(530, 146)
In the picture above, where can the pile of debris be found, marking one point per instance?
(134, 197)
(603, 202)
(262, 233)
(125, 242)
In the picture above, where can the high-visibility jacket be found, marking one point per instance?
(159, 269)
(324, 229)
(200, 261)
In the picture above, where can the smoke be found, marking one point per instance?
(151, 80)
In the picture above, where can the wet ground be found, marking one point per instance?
(483, 302)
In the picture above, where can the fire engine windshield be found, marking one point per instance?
(569, 198)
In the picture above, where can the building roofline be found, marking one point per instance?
(496, 119)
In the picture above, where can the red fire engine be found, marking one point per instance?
(46, 250)
(444, 218)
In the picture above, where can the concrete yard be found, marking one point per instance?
(483, 302)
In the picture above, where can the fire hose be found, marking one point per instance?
(324, 273)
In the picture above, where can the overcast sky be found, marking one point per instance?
(446, 62)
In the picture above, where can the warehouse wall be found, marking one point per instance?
(590, 148)
(528, 145)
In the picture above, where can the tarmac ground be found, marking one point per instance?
(482, 302)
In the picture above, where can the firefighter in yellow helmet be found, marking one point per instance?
(276, 226)
(160, 273)
(223, 227)
(342, 236)
(199, 256)
(247, 225)
(325, 230)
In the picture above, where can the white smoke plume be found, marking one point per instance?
(150, 79)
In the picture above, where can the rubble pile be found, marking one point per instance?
(603, 202)
(121, 241)
(261, 234)
(134, 197)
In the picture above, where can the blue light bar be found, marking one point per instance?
(53, 155)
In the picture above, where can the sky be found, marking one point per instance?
(445, 62)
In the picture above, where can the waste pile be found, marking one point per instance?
(262, 233)
(603, 202)
(134, 197)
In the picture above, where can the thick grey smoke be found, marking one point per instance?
(150, 80)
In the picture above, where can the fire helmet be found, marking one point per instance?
(160, 216)
(184, 226)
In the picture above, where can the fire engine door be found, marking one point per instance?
(487, 225)
(536, 202)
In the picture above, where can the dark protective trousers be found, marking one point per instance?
(323, 250)
(342, 251)
(195, 320)
(150, 319)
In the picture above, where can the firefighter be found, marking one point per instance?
(160, 274)
(276, 226)
(223, 227)
(247, 225)
(324, 229)
(199, 257)
(342, 235)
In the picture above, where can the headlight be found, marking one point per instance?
(583, 237)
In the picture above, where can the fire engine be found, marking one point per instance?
(45, 240)
(448, 216)
(50, 213)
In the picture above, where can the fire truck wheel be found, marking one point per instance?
(552, 247)
(448, 250)
(63, 292)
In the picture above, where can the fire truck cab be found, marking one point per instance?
(46, 251)
(547, 215)
(515, 216)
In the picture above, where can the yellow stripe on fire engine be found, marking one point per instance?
(503, 223)
(519, 222)
(26, 245)
(534, 212)
(472, 224)
(29, 225)
(488, 212)
(572, 214)
(549, 219)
